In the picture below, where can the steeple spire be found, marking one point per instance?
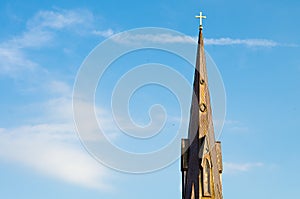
(201, 155)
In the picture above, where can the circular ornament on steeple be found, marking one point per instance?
(202, 81)
(203, 107)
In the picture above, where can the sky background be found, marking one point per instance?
(255, 45)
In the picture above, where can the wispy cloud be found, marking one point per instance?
(61, 19)
(128, 38)
(245, 42)
(169, 38)
(32, 38)
(42, 31)
(13, 61)
(50, 146)
(230, 167)
(103, 33)
(41, 28)
(48, 143)
(51, 149)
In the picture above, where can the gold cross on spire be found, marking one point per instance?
(201, 17)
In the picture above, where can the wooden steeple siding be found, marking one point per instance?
(201, 161)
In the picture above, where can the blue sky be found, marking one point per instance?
(255, 45)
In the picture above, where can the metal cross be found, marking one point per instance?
(201, 17)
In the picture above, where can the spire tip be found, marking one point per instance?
(201, 17)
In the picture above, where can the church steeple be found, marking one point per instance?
(201, 162)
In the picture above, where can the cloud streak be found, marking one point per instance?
(157, 38)
(245, 42)
(168, 38)
(103, 33)
(61, 19)
(13, 61)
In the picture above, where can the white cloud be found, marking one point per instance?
(34, 38)
(50, 145)
(168, 38)
(42, 31)
(246, 42)
(13, 61)
(127, 38)
(59, 109)
(103, 33)
(52, 150)
(230, 167)
(61, 19)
